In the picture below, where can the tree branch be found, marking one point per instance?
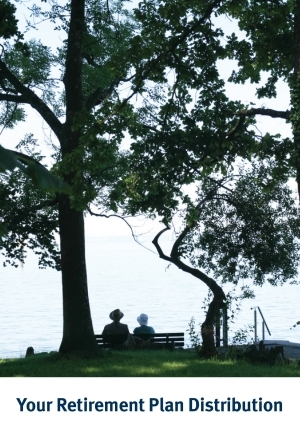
(13, 98)
(119, 217)
(29, 97)
(99, 95)
(236, 128)
(157, 246)
(264, 111)
(212, 285)
(175, 257)
(252, 112)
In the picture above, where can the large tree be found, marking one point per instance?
(85, 153)
(241, 226)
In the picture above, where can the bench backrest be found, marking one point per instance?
(176, 339)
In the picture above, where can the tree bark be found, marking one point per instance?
(207, 328)
(78, 333)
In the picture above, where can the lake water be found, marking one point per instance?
(124, 275)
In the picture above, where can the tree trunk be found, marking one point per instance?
(207, 328)
(78, 333)
(208, 348)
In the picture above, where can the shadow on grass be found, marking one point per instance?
(138, 364)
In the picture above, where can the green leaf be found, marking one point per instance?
(41, 177)
(8, 160)
(3, 230)
(45, 180)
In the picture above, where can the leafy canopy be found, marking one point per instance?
(153, 74)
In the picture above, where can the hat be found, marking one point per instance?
(142, 319)
(116, 315)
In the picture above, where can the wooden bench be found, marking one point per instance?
(175, 340)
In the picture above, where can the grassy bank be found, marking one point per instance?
(138, 364)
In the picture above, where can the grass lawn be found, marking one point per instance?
(139, 364)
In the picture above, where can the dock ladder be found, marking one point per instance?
(264, 324)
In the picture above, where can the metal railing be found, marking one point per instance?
(264, 324)
(224, 328)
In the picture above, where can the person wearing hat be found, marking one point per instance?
(116, 327)
(144, 328)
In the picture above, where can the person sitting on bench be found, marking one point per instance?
(116, 327)
(144, 328)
